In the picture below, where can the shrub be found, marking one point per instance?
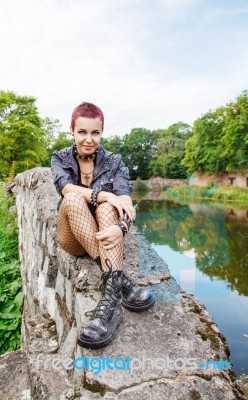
(11, 297)
(141, 186)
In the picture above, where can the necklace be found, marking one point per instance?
(89, 157)
(87, 174)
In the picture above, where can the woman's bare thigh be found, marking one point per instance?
(66, 239)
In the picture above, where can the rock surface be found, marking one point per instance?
(61, 292)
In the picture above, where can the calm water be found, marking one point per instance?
(205, 247)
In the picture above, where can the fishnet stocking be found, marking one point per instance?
(107, 215)
(76, 228)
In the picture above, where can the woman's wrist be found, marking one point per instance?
(123, 228)
(124, 223)
(94, 197)
(103, 196)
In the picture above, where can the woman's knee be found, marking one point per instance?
(106, 209)
(74, 199)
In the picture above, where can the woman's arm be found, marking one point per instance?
(85, 192)
(123, 202)
(126, 198)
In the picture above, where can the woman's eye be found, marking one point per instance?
(93, 133)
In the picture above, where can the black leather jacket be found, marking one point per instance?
(110, 173)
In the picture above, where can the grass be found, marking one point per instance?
(210, 192)
(11, 297)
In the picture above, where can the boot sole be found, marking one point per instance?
(89, 344)
(136, 308)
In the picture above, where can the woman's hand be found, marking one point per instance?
(122, 204)
(109, 237)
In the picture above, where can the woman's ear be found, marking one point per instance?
(71, 130)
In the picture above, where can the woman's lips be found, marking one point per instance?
(88, 147)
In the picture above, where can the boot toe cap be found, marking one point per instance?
(139, 301)
(93, 331)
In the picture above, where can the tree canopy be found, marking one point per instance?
(169, 151)
(22, 136)
(219, 141)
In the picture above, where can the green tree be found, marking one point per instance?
(202, 148)
(22, 136)
(234, 140)
(52, 128)
(137, 151)
(169, 152)
(63, 140)
(113, 143)
(219, 142)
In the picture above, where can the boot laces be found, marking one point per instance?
(129, 282)
(106, 274)
(105, 305)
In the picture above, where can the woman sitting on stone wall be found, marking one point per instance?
(95, 212)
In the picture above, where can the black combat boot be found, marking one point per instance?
(108, 314)
(134, 298)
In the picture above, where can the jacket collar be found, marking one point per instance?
(70, 161)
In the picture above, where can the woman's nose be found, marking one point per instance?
(88, 138)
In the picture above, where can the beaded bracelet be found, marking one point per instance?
(93, 196)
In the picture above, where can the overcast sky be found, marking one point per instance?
(146, 63)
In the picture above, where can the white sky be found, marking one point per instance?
(146, 63)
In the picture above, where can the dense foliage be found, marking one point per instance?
(219, 141)
(11, 297)
(22, 137)
(169, 151)
(26, 140)
(152, 153)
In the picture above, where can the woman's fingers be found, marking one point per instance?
(120, 205)
(120, 210)
(109, 237)
(108, 247)
(130, 210)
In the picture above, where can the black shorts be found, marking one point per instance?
(92, 210)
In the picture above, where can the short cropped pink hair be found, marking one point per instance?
(87, 110)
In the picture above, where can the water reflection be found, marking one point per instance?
(205, 246)
(213, 236)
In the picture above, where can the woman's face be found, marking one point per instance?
(87, 134)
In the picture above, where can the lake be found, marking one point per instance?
(205, 247)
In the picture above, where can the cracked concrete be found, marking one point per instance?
(61, 292)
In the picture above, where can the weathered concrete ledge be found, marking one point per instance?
(60, 294)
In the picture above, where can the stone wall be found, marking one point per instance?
(61, 292)
(237, 179)
(157, 183)
(228, 179)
